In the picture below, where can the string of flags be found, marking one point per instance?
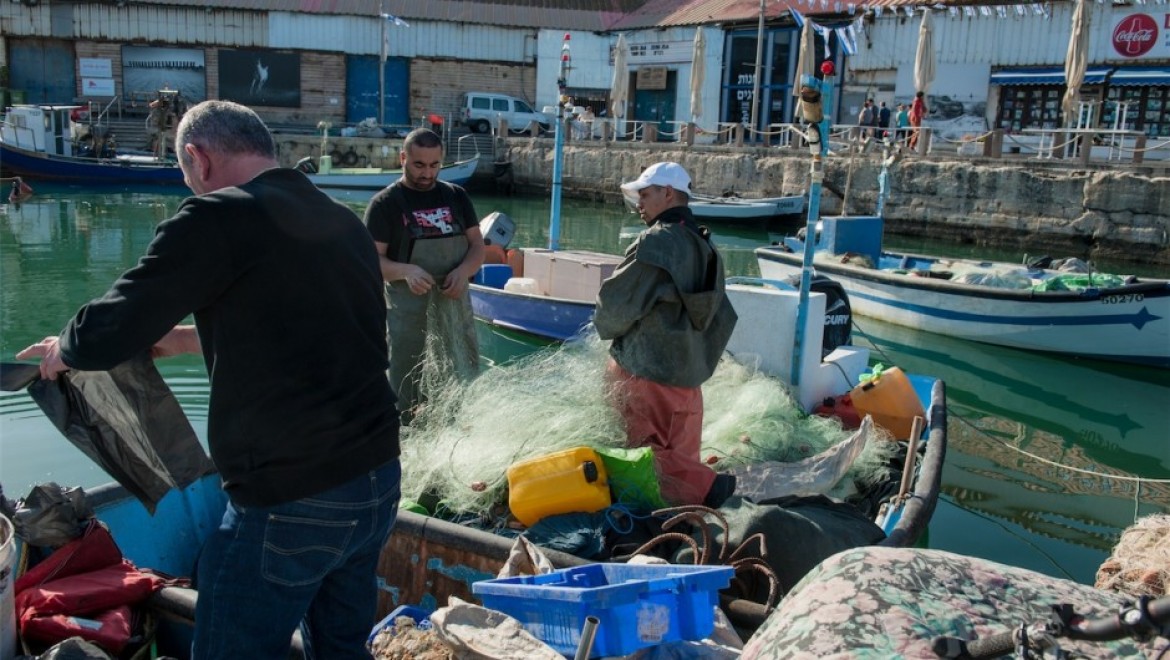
(966, 11)
(846, 36)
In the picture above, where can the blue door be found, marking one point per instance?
(657, 106)
(361, 89)
(43, 69)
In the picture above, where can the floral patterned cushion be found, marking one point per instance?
(879, 602)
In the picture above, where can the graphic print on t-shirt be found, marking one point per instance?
(429, 223)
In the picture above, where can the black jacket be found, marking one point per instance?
(286, 291)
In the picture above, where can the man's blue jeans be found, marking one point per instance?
(268, 568)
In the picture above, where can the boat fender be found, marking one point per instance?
(350, 158)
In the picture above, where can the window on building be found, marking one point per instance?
(1029, 106)
(1144, 108)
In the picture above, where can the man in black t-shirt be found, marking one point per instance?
(429, 245)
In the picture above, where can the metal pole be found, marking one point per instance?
(588, 634)
(756, 75)
(382, 66)
(554, 222)
(817, 178)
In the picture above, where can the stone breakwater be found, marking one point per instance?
(1117, 212)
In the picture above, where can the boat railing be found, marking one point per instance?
(104, 115)
(19, 136)
(462, 152)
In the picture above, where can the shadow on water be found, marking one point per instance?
(1059, 452)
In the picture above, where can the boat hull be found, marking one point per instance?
(90, 171)
(38, 166)
(745, 209)
(367, 178)
(544, 317)
(1129, 323)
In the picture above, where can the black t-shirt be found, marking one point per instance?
(398, 216)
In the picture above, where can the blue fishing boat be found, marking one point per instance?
(36, 143)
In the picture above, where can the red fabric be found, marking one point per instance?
(90, 592)
(669, 420)
(85, 589)
(110, 629)
(94, 549)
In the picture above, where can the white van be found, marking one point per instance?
(482, 109)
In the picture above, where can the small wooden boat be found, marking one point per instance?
(35, 144)
(1084, 315)
(555, 298)
(732, 208)
(376, 178)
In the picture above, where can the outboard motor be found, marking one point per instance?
(838, 313)
(306, 165)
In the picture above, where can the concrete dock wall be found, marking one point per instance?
(1055, 207)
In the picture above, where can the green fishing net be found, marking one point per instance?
(463, 439)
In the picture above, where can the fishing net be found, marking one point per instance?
(1140, 563)
(461, 442)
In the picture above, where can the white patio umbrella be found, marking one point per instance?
(619, 90)
(1075, 62)
(698, 74)
(924, 64)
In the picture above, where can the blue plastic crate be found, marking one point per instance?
(636, 606)
(493, 275)
(422, 620)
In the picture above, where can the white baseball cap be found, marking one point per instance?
(660, 174)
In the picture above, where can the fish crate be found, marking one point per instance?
(637, 606)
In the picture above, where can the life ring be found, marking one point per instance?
(350, 158)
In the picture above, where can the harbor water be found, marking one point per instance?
(1049, 458)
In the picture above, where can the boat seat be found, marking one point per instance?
(177, 604)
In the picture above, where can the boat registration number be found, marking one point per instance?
(1123, 298)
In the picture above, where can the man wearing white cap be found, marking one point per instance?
(666, 311)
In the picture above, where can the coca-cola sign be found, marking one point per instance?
(1135, 35)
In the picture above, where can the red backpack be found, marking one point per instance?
(84, 589)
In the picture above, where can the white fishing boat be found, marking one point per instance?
(731, 208)
(377, 178)
(1090, 314)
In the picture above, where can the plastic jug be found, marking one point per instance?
(891, 400)
(569, 481)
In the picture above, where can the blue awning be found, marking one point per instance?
(1046, 76)
(1140, 75)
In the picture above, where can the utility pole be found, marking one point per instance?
(756, 76)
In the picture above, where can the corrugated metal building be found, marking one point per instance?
(311, 60)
